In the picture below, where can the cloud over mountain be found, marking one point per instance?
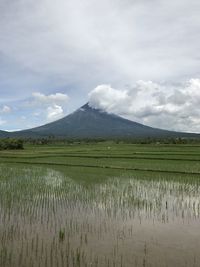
(174, 107)
(69, 47)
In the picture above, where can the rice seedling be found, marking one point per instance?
(61, 235)
(57, 216)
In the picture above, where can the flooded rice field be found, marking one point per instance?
(48, 218)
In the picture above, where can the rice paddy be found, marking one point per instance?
(100, 205)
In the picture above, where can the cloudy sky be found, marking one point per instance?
(136, 58)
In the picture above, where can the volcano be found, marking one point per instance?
(88, 122)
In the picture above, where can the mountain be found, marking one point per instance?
(3, 134)
(87, 122)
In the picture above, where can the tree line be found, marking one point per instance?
(11, 143)
(14, 143)
(148, 140)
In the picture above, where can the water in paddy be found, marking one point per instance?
(49, 219)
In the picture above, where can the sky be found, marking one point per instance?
(135, 58)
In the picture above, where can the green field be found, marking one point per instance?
(174, 159)
(100, 204)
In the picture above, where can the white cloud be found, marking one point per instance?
(5, 109)
(91, 42)
(163, 106)
(50, 106)
(40, 98)
(54, 112)
(106, 97)
(13, 130)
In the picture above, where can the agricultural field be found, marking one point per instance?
(100, 205)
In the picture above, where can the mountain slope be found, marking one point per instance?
(88, 122)
(3, 134)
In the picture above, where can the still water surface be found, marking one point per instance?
(49, 219)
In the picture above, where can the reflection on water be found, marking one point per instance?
(48, 219)
(53, 179)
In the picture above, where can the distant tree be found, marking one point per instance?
(11, 143)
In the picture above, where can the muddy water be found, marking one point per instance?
(49, 219)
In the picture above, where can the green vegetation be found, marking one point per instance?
(160, 159)
(61, 235)
(11, 143)
(52, 140)
(102, 204)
